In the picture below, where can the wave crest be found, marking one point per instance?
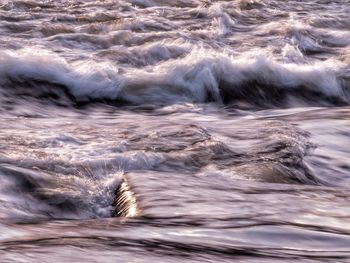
(201, 76)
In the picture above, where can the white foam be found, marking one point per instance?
(84, 79)
(193, 78)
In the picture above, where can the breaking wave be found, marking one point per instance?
(200, 76)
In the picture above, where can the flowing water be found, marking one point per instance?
(175, 131)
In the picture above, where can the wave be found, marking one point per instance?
(200, 76)
(34, 194)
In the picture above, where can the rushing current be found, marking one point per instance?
(175, 131)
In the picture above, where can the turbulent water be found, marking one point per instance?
(175, 131)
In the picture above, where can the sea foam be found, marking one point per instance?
(200, 76)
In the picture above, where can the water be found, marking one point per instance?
(175, 131)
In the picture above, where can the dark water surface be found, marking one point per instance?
(175, 131)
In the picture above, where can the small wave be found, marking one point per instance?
(176, 3)
(33, 194)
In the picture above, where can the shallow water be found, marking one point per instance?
(166, 131)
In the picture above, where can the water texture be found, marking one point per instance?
(175, 131)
